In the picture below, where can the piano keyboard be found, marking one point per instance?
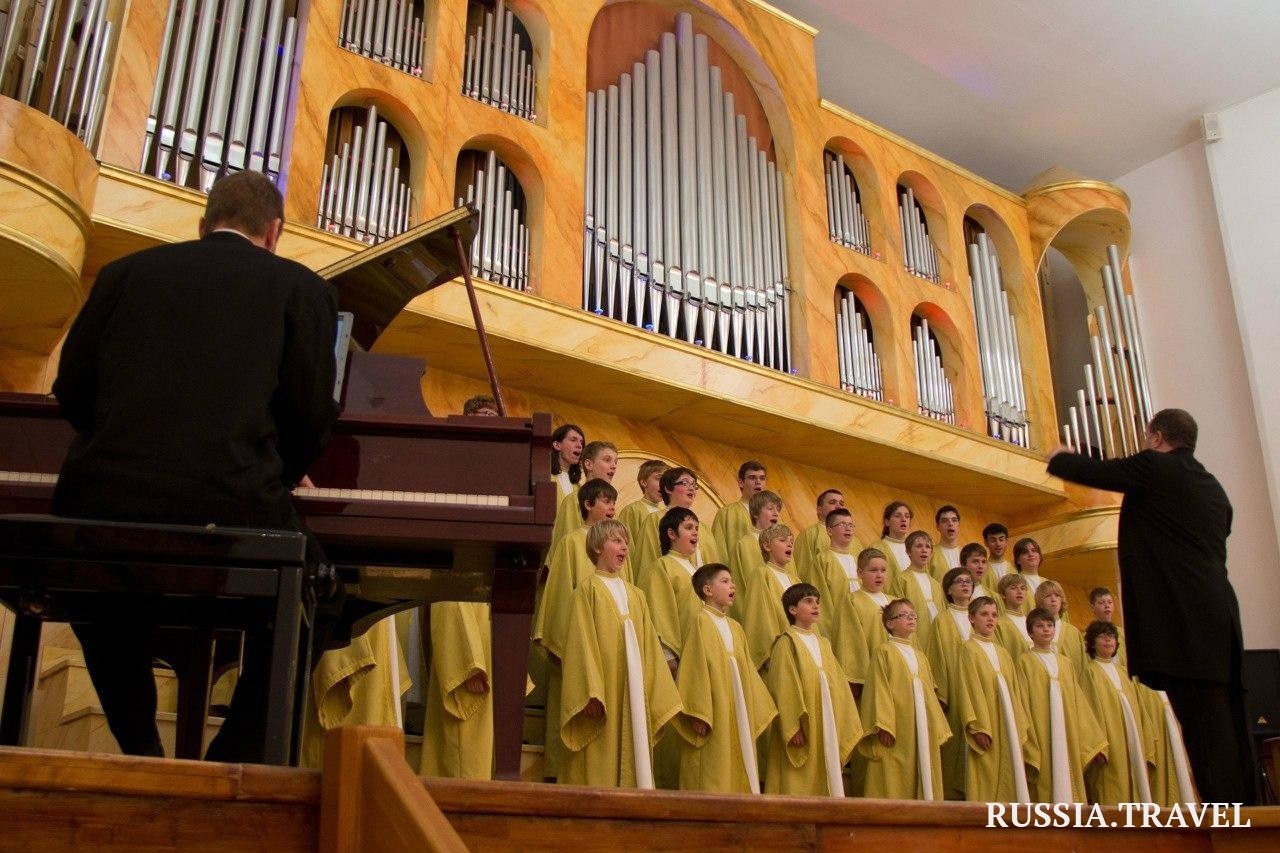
(317, 493)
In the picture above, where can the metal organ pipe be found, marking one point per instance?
(859, 367)
(368, 200)
(918, 252)
(386, 31)
(701, 248)
(998, 349)
(933, 389)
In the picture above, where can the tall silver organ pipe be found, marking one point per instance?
(498, 62)
(500, 252)
(220, 102)
(845, 223)
(933, 389)
(386, 31)
(918, 252)
(56, 55)
(364, 191)
(1114, 406)
(684, 228)
(999, 355)
(859, 365)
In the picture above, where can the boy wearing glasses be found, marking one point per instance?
(734, 520)
(812, 541)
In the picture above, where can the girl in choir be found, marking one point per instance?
(893, 539)
(950, 631)
(726, 704)
(916, 585)
(1026, 560)
(1124, 778)
(1011, 632)
(618, 693)
(599, 462)
(566, 451)
(993, 717)
(817, 726)
(763, 616)
(1067, 733)
(1067, 639)
(903, 724)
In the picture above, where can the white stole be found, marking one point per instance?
(1060, 760)
(899, 550)
(635, 685)
(850, 565)
(1181, 764)
(1020, 623)
(1132, 734)
(960, 615)
(951, 555)
(924, 748)
(922, 579)
(746, 743)
(562, 481)
(1010, 724)
(999, 569)
(830, 737)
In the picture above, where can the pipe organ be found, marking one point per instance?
(365, 190)
(386, 31)
(845, 222)
(919, 254)
(220, 102)
(1116, 378)
(498, 63)
(998, 350)
(933, 388)
(56, 56)
(859, 364)
(500, 251)
(684, 212)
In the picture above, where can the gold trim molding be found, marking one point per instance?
(1085, 184)
(784, 16)
(45, 188)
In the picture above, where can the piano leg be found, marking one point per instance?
(515, 580)
(193, 695)
(19, 686)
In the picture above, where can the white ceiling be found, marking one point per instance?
(1008, 88)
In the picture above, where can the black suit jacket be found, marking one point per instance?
(1181, 614)
(199, 379)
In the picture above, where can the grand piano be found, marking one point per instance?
(411, 508)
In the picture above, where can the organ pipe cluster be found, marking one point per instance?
(859, 364)
(364, 191)
(918, 251)
(845, 223)
(386, 31)
(221, 97)
(1116, 378)
(500, 250)
(1001, 359)
(498, 66)
(56, 56)
(933, 389)
(684, 212)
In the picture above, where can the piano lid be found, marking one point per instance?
(377, 283)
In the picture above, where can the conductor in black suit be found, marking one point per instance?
(1182, 620)
(199, 379)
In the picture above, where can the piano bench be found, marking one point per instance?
(197, 581)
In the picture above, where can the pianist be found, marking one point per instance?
(199, 379)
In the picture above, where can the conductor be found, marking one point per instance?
(199, 379)
(1181, 616)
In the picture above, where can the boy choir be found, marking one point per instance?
(756, 661)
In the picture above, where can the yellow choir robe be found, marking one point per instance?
(716, 686)
(763, 618)
(940, 564)
(997, 570)
(891, 560)
(1081, 738)
(812, 543)
(1120, 652)
(889, 705)
(457, 736)
(742, 559)
(360, 684)
(837, 622)
(568, 518)
(633, 515)
(645, 550)
(1070, 642)
(944, 656)
(1124, 778)
(1011, 633)
(797, 689)
(1171, 779)
(867, 609)
(600, 749)
(909, 586)
(990, 773)
(673, 604)
(731, 523)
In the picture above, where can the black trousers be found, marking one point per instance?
(1215, 730)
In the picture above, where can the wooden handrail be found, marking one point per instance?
(370, 799)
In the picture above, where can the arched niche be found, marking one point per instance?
(863, 169)
(403, 40)
(949, 339)
(870, 301)
(528, 196)
(705, 504)
(530, 32)
(403, 117)
(930, 201)
(1083, 242)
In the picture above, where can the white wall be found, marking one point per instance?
(1187, 306)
